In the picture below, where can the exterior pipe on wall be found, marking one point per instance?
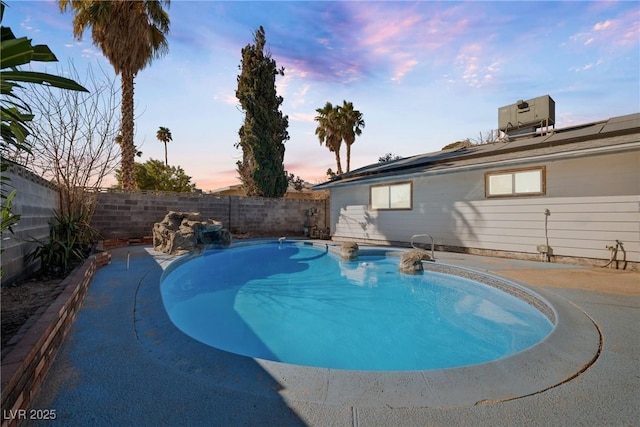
(613, 254)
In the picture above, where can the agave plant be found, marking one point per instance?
(70, 241)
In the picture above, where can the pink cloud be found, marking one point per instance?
(222, 178)
(228, 98)
(475, 66)
(310, 173)
(399, 36)
(587, 67)
(445, 27)
(391, 32)
(602, 25)
(404, 64)
(622, 32)
(387, 39)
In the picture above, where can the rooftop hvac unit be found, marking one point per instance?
(527, 116)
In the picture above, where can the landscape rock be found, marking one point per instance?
(411, 261)
(349, 251)
(185, 232)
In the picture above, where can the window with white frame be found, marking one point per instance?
(391, 196)
(515, 182)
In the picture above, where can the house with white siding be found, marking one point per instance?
(560, 195)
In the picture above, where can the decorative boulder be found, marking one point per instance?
(349, 251)
(411, 261)
(183, 232)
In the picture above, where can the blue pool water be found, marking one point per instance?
(302, 305)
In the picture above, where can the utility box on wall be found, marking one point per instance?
(530, 114)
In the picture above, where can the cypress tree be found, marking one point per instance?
(264, 130)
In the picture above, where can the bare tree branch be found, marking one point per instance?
(74, 133)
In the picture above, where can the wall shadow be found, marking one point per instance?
(125, 363)
(248, 392)
(204, 294)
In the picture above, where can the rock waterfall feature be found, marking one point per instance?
(180, 233)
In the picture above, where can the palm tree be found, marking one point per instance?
(350, 126)
(131, 34)
(164, 135)
(328, 131)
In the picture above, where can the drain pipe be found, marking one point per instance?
(544, 249)
(547, 214)
(613, 253)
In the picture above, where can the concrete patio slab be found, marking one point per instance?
(124, 363)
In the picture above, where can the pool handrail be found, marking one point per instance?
(423, 235)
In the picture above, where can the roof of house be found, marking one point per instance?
(607, 134)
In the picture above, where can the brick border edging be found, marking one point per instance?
(26, 365)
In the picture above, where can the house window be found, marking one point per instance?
(518, 182)
(391, 196)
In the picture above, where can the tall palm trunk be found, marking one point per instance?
(130, 34)
(127, 147)
(338, 163)
(348, 156)
(166, 159)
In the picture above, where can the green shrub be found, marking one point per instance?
(70, 241)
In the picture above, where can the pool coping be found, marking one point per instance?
(572, 346)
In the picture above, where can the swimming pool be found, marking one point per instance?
(300, 304)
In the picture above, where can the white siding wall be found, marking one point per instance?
(593, 202)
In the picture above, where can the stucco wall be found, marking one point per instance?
(132, 215)
(35, 201)
(593, 201)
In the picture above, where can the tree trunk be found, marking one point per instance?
(127, 146)
(338, 164)
(348, 157)
(166, 161)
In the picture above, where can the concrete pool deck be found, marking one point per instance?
(124, 363)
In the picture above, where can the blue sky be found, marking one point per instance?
(423, 74)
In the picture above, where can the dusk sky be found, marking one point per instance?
(423, 74)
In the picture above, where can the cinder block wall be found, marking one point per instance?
(132, 215)
(35, 202)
